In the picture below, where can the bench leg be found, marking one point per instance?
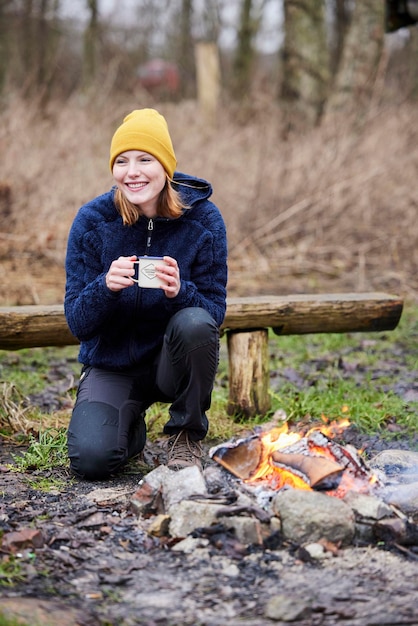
(249, 376)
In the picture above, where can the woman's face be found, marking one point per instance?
(141, 178)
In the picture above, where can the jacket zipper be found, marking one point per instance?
(149, 238)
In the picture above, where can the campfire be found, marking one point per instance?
(273, 486)
(279, 458)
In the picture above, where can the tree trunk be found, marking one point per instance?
(28, 44)
(39, 39)
(42, 43)
(413, 62)
(91, 41)
(186, 56)
(305, 61)
(353, 88)
(244, 55)
(4, 44)
(341, 21)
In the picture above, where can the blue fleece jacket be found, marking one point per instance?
(118, 330)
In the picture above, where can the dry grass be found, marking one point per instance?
(19, 420)
(13, 417)
(330, 210)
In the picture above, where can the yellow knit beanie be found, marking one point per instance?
(146, 130)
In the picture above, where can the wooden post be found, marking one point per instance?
(249, 376)
(208, 79)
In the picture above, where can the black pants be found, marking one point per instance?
(107, 426)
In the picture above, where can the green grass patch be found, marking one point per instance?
(11, 572)
(367, 408)
(44, 452)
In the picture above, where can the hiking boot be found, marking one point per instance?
(183, 452)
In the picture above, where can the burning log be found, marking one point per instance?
(280, 458)
(241, 458)
(313, 470)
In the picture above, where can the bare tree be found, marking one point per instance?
(42, 43)
(244, 55)
(211, 19)
(4, 42)
(305, 60)
(341, 15)
(186, 49)
(411, 50)
(245, 58)
(28, 48)
(39, 36)
(354, 84)
(91, 43)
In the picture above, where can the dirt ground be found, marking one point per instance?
(82, 558)
(86, 561)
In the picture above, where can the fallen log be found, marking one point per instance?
(45, 325)
(34, 326)
(318, 313)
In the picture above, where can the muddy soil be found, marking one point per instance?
(85, 560)
(81, 557)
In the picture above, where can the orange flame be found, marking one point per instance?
(278, 477)
(272, 440)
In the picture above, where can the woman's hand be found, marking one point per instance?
(170, 275)
(120, 271)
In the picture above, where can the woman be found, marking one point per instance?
(140, 345)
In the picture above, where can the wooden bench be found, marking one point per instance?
(246, 325)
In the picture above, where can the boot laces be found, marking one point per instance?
(183, 451)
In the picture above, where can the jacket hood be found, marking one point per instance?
(191, 189)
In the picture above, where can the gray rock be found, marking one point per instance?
(178, 486)
(308, 516)
(247, 529)
(187, 515)
(404, 497)
(398, 463)
(317, 551)
(369, 507)
(157, 477)
(284, 608)
(189, 545)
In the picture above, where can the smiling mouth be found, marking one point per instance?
(136, 186)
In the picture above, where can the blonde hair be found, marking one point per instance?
(169, 205)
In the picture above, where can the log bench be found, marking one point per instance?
(246, 325)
